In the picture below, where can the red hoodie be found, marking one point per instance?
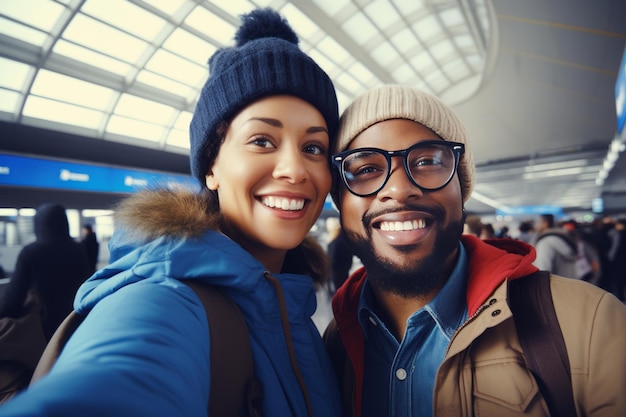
(490, 262)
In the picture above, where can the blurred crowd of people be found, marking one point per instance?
(594, 251)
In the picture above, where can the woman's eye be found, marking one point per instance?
(315, 150)
(262, 142)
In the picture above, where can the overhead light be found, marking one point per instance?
(556, 165)
(553, 173)
(615, 148)
(488, 201)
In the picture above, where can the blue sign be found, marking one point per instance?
(620, 95)
(46, 173)
(527, 210)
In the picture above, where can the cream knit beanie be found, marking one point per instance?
(401, 102)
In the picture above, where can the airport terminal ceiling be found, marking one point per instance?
(533, 81)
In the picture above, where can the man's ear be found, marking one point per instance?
(211, 181)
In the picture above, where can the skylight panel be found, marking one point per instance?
(422, 62)
(169, 7)
(141, 109)
(404, 40)
(384, 54)
(382, 13)
(72, 90)
(332, 7)
(21, 32)
(348, 83)
(360, 28)
(189, 46)
(179, 138)
(475, 61)
(56, 111)
(451, 17)
(103, 38)
(212, 26)
(126, 16)
(301, 23)
(165, 84)
(407, 7)
(14, 74)
(333, 50)
(403, 74)
(183, 120)
(442, 49)
(363, 74)
(343, 100)
(42, 14)
(326, 64)
(456, 70)
(124, 126)
(436, 81)
(176, 68)
(236, 7)
(464, 42)
(427, 27)
(9, 100)
(87, 56)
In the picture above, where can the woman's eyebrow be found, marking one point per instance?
(271, 122)
(278, 123)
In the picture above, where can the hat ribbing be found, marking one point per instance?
(401, 102)
(265, 61)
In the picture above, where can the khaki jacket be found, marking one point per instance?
(484, 374)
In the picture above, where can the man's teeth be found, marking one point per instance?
(403, 226)
(283, 203)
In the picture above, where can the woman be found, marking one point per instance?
(259, 144)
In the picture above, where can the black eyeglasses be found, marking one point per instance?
(430, 165)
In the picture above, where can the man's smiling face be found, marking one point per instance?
(406, 238)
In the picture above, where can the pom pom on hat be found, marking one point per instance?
(401, 102)
(265, 61)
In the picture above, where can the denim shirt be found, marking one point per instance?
(399, 377)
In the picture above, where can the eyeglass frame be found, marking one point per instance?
(458, 149)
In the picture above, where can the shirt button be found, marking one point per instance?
(373, 321)
(401, 374)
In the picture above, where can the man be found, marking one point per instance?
(556, 250)
(90, 243)
(425, 323)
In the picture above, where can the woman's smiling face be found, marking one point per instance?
(272, 176)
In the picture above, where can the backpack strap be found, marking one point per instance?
(542, 341)
(232, 368)
(56, 344)
(231, 354)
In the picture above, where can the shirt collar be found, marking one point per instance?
(448, 309)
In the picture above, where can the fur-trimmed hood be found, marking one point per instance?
(150, 214)
(163, 234)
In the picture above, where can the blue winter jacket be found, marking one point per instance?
(142, 349)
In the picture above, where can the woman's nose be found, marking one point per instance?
(290, 165)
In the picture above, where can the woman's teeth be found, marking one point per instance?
(283, 203)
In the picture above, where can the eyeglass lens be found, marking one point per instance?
(430, 167)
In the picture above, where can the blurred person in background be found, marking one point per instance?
(53, 267)
(556, 250)
(339, 254)
(90, 243)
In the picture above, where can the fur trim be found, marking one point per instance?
(149, 214)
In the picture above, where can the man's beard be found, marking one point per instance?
(409, 278)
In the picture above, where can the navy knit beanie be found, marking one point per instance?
(265, 61)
